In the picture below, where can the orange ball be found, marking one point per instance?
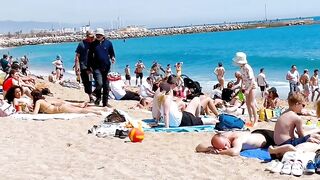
(136, 135)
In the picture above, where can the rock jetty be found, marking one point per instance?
(32, 39)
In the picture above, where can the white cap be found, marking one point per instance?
(100, 31)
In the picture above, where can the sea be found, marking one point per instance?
(274, 49)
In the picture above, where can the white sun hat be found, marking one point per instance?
(100, 31)
(240, 58)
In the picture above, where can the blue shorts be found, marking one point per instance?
(296, 141)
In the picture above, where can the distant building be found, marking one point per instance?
(85, 28)
(132, 29)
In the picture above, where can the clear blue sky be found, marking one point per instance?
(152, 12)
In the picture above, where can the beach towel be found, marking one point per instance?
(161, 128)
(43, 117)
(259, 153)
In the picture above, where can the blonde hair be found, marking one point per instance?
(161, 98)
(295, 98)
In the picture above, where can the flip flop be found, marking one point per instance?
(297, 168)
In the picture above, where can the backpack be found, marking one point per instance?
(229, 122)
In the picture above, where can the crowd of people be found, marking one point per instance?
(173, 97)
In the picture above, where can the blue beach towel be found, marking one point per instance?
(258, 153)
(161, 128)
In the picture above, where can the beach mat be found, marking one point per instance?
(161, 128)
(259, 153)
(43, 117)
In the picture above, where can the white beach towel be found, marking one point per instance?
(43, 117)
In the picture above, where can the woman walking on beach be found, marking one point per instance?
(219, 72)
(248, 84)
(59, 67)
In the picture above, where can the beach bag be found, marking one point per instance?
(265, 114)
(229, 122)
(115, 117)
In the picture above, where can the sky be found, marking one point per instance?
(152, 13)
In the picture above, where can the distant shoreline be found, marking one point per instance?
(127, 33)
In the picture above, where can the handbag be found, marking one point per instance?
(265, 114)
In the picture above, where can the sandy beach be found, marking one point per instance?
(62, 149)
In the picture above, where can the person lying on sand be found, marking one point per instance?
(232, 143)
(43, 106)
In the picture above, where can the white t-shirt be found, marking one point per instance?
(261, 79)
(294, 75)
(144, 88)
(175, 116)
(117, 89)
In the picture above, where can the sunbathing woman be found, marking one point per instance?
(43, 106)
(19, 101)
(173, 117)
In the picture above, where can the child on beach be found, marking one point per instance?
(248, 85)
(289, 123)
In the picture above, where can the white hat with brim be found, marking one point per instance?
(100, 31)
(240, 58)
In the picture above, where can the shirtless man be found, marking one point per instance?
(289, 122)
(128, 76)
(219, 72)
(305, 80)
(314, 84)
(232, 143)
(139, 71)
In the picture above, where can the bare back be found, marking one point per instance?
(285, 127)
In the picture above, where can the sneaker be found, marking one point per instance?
(317, 161)
(310, 168)
(287, 167)
(271, 165)
(297, 168)
(123, 134)
(97, 102)
(277, 167)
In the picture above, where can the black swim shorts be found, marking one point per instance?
(268, 134)
(189, 119)
(139, 75)
(128, 77)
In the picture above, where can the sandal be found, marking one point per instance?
(297, 168)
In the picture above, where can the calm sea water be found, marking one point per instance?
(274, 49)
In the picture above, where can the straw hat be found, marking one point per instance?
(240, 58)
(100, 31)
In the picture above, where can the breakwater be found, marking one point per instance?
(33, 39)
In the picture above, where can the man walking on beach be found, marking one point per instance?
(293, 78)
(81, 62)
(100, 53)
(261, 81)
(314, 84)
(305, 81)
(128, 75)
(139, 71)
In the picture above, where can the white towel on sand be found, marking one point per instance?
(43, 117)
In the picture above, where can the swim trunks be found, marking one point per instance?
(268, 134)
(296, 141)
(189, 119)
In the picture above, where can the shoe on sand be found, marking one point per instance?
(277, 167)
(287, 167)
(297, 168)
(310, 168)
(272, 164)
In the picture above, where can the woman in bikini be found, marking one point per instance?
(41, 105)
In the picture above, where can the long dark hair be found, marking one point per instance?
(36, 94)
(11, 92)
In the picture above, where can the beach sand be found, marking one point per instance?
(62, 149)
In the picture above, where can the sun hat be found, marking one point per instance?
(240, 58)
(100, 31)
(89, 33)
